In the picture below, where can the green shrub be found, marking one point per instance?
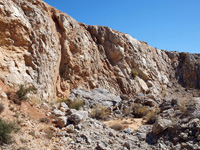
(1, 108)
(151, 117)
(5, 130)
(100, 112)
(117, 127)
(134, 73)
(139, 110)
(75, 104)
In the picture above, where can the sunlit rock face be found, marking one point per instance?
(42, 46)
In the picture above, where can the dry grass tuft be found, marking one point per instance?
(117, 127)
(139, 110)
(100, 112)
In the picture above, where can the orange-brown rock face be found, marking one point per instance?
(42, 46)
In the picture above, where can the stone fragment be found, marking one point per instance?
(70, 128)
(62, 121)
(58, 112)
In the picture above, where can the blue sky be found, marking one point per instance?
(165, 24)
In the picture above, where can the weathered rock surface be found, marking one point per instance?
(95, 96)
(42, 46)
(178, 128)
(160, 125)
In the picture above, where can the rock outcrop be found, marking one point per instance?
(44, 47)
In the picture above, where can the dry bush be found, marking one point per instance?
(20, 95)
(139, 110)
(75, 104)
(127, 111)
(60, 100)
(134, 73)
(23, 91)
(183, 107)
(117, 127)
(6, 129)
(100, 112)
(151, 117)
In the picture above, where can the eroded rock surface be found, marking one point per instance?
(42, 46)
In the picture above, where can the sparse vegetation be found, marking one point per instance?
(134, 73)
(117, 127)
(60, 100)
(6, 129)
(126, 111)
(183, 107)
(151, 117)
(23, 91)
(100, 112)
(20, 95)
(1, 108)
(139, 110)
(75, 104)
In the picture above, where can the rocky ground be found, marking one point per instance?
(176, 125)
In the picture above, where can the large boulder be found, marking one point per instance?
(160, 125)
(77, 117)
(96, 96)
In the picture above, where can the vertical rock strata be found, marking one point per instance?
(42, 46)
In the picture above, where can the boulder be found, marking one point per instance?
(143, 85)
(96, 96)
(124, 97)
(3, 95)
(160, 125)
(63, 107)
(61, 122)
(193, 107)
(58, 112)
(70, 128)
(78, 117)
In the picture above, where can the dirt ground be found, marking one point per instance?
(132, 123)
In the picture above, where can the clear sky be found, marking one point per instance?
(165, 24)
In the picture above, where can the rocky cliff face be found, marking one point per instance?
(42, 46)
